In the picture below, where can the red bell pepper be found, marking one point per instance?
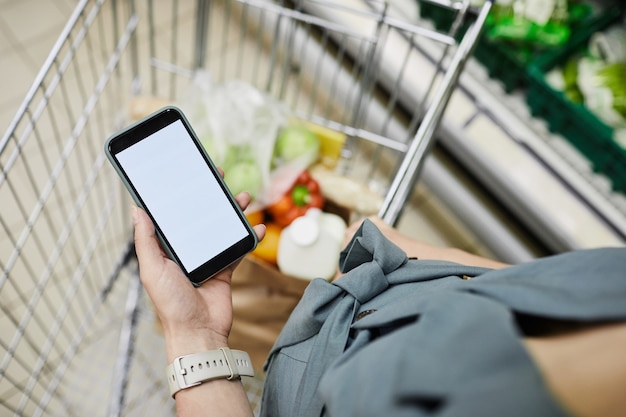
(304, 194)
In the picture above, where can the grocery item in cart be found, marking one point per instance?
(309, 247)
(250, 135)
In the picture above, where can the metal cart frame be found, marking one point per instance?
(77, 335)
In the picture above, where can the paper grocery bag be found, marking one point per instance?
(263, 299)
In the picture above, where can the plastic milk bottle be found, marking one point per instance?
(309, 247)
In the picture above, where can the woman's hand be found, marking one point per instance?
(193, 319)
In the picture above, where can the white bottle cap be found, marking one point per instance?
(305, 230)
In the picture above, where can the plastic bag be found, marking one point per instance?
(238, 125)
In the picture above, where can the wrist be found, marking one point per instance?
(185, 343)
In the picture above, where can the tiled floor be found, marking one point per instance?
(28, 30)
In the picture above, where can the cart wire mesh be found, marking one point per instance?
(78, 336)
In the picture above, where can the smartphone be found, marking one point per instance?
(168, 173)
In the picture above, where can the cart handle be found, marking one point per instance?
(409, 170)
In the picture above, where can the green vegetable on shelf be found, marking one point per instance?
(536, 24)
(570, 78)
(613, 77)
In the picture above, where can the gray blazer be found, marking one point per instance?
(400, 337)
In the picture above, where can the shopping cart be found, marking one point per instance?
(77, 335)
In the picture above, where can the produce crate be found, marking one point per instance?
(501, 63)
(577, 124)
(519, 69)
(510, 62)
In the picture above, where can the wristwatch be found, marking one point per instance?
(191, 370)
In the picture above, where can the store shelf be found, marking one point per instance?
(537, 175)
(541, 180)
(544, 181)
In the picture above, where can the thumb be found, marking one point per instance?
(147, 245)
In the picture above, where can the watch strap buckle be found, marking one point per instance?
(180, 375)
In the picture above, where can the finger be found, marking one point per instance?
(146, 243)
(243, 199)
(260, 230)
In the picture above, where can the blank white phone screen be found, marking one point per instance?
(181, 193)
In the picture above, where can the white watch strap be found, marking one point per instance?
(190, 370)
